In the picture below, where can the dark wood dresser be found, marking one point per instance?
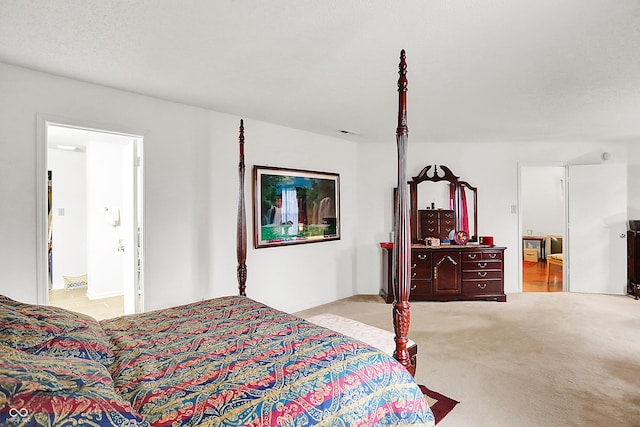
(446, 272)
(449, 273)
(633, 259)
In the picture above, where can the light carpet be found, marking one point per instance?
(540, 359)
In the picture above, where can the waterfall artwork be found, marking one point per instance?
(294, 206)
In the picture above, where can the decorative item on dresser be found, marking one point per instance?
(450, 272)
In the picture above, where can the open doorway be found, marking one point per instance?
(542, 227)
(592, 235)
(94, 220)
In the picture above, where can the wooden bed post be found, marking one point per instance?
(241, 241)
(402, 244)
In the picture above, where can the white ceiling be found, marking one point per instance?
(489, 70)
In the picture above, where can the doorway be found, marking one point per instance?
(542, 227)
(592, 236)
(94, 219)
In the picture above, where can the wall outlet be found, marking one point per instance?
(514, 209)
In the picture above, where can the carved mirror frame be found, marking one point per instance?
(427, 174)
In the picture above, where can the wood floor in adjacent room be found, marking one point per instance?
(534, 277)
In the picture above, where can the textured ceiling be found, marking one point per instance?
(491, 70)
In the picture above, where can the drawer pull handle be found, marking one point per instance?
(482, 264)
(482, 285)
(413, 266)
(493, 255)
(422, 256)
(471, 256)
(414, 275)
(482, 273)
(413, 288)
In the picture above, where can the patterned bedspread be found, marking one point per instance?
(235, 362)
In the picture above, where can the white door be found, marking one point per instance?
(597, 228)
(132, 225)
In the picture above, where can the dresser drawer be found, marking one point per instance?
(420, 265)
(420, 257)
(429, 231)
(482, 275)
(420, 288)
(489, 255)
(447, 215)
(446, 222)
(473, 287)
(445, 230)
(421, 273)
(484, 255)
(482, 265)
(471, 256)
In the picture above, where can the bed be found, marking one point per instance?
(228, 361)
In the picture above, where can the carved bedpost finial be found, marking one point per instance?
(402, 91)
(241, 226)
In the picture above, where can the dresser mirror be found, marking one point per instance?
(443, 202)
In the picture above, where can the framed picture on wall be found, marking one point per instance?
(292, 206)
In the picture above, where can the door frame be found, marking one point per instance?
(565, 188)
(42, 122)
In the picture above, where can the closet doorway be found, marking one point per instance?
(542, 227)
(94, 220)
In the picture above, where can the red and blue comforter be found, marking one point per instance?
(235, 362)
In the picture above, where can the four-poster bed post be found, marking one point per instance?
(401, 307)
(241, 241)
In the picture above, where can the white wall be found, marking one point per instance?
(190, 193)
(288, 277)
(69, 226)
(191, 190)
(492, 167)
(174, 132)
(175, 137)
